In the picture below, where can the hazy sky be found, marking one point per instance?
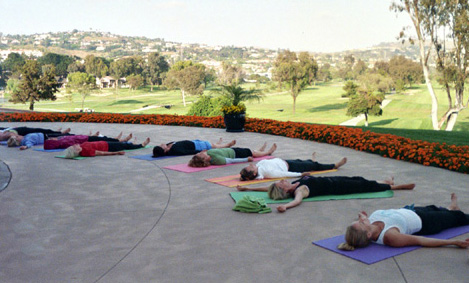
(298, 25)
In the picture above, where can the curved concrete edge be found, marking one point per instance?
(5, 176)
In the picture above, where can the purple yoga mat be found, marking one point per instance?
(187, 169)
(375, 252)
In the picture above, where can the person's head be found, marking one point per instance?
(280, 190)
(357, 235)
(72, 151)
(201, 159)
(158, 151)
(249, 172)
(13, 141)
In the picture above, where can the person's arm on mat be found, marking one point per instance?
(394, 238)
(259, 189)
(300, 193)
(107, 153)
(238, 160)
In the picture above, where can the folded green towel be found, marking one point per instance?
(251, 204)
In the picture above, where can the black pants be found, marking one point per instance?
(95, 138)
(22, 131)
(301, 166)
(242, 152)
(119, 146)
(436, 219)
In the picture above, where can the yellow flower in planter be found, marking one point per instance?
(232, 109)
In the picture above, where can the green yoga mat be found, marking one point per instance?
(239, 195)
(82, 157)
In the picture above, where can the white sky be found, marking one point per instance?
(298, 25)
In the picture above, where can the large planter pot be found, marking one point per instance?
(235, 122)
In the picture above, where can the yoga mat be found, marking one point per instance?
(149, 157)
(239, 195)
(233, 180)
(49, 150)
(3, 143)
(375, 252)
(82, 157)
(187, 169)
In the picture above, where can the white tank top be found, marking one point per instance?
(405, 220)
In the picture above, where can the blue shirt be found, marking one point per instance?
(33, 139)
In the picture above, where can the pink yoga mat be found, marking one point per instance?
(186, 169)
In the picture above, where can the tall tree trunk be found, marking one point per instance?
(183, 97)
(426, 75)
(366, 119)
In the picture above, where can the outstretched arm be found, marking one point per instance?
(259, 189)
(107, 153)
(395, 239)
(300, 193)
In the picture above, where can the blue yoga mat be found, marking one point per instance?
(375, 252)
(49, 150)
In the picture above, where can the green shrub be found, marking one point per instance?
(206, 106)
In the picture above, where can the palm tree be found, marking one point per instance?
(236, 94)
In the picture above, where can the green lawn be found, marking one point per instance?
(320, 104)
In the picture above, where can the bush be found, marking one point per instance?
(206, 106)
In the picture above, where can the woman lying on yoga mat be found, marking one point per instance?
(279, 168)
(5, 134)
(186, 147)
(222, 156)
(67, 141)
(401, 227)
(310, 186)
(27, 141)
(101, 148)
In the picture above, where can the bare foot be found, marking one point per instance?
(146, 142)
(313, 156)
(233, 142)
(97, 133)
(119, 136)
(389, 181)
(127, 138)
(220, 141)
(454, 202)
(262, 148)
(340, 163)
(66, 131)
(272, 149)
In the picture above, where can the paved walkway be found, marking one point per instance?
(119, 219)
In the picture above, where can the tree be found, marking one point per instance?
(60, 62)
(96, 66)
(405, 70)
(230, 74)
(156, 66)
(288, 69)
(431, 18)
(365, 103)
(188, 77)
(134, 81)
(13, 63)
(324, 73)
(350, 89)
(82, 83)
(309, 65)
(35, 84)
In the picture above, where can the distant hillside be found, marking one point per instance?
(81, 43)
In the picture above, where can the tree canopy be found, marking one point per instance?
(188, 77)
(35, 84)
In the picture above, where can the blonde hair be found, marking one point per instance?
(197, 161)
(276, 193)
(70, 152)
(12, 141)
(354, 238)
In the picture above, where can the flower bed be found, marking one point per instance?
(451, 157)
